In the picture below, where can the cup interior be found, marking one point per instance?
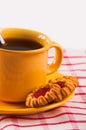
(23, 39)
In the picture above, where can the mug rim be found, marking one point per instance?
(45, 47)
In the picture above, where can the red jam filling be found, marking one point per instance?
(61, 84)
(41, 92)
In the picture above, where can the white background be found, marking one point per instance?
(63, 21)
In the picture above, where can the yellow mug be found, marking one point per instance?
(21, 71)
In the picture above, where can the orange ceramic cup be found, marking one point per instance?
(23, 71)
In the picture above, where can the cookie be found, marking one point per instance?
(43, 96)
(67, 84)
(55, 91)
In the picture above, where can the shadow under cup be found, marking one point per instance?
(24, 63)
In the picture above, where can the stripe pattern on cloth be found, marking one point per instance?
(71, 115)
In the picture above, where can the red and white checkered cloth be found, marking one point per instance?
(71, 115)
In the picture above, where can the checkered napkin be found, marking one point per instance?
(71, 115)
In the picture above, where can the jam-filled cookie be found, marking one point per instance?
(44, 95)
(67, 84)
(55, 91)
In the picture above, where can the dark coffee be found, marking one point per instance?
(21, 44)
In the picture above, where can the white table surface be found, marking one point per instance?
(63, 21)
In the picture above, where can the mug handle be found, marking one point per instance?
(57, 59)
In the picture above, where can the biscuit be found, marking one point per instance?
(43, 96)
(55, 91)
